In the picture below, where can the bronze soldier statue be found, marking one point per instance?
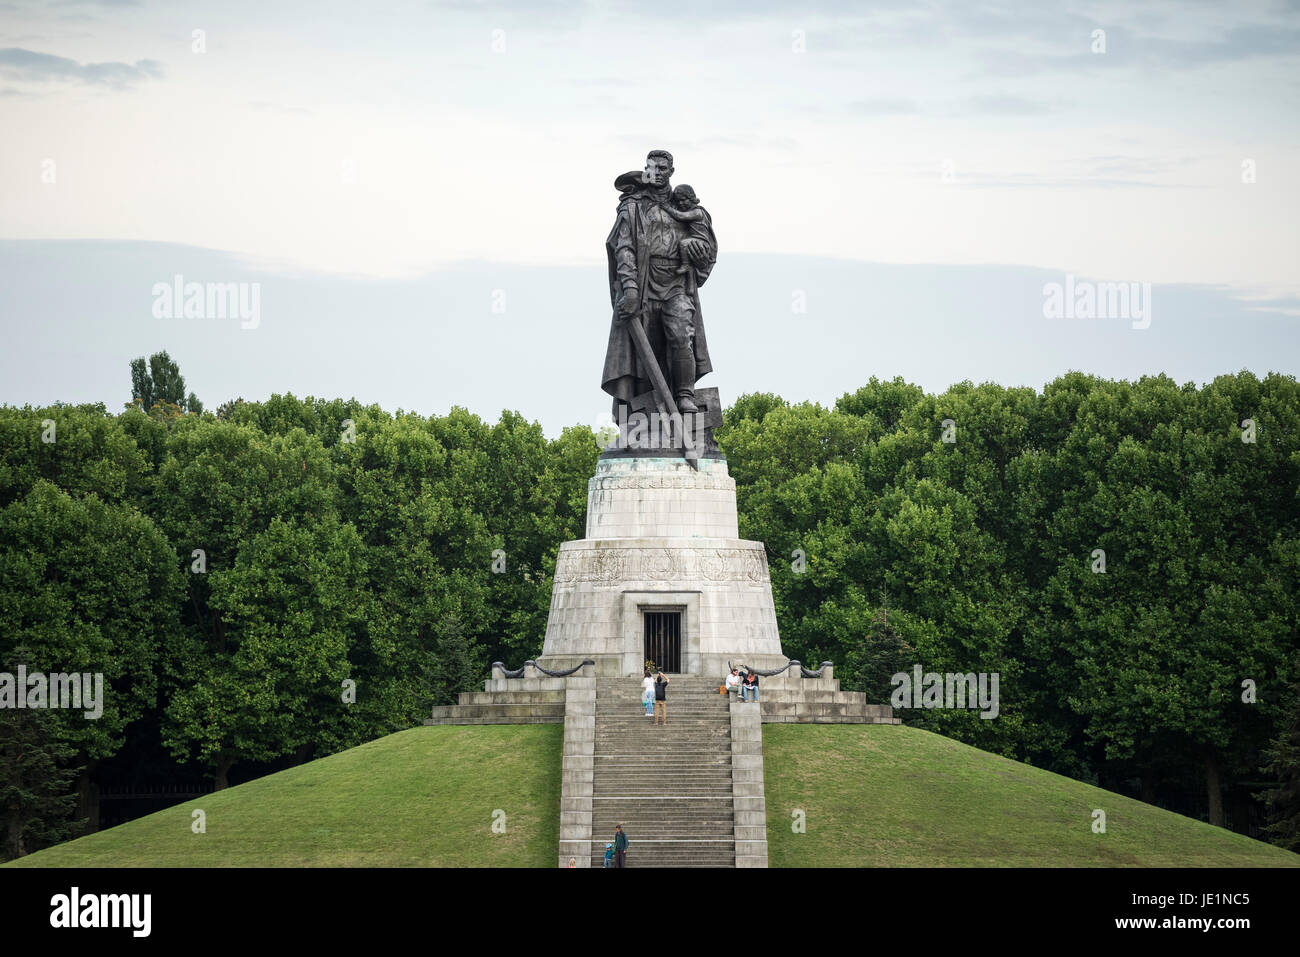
(661, 250)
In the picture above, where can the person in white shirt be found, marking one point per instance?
(648, 694)
(733, 681)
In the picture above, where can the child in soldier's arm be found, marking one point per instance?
(685, 208)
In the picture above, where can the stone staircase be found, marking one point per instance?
(689, 793)
(503, 707)
(670, 786)
(819, 701)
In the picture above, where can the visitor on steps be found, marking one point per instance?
(620, 847)
(609, 855)
(661, 698)
(648, 694)
(733, 681)
(749, 687)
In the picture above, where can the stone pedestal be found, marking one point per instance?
(662, 536)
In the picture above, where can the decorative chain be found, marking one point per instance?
(519, 672)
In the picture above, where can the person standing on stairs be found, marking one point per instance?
(620, 846)
(661, 698)
(648, 694)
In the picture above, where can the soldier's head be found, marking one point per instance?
(658, 167)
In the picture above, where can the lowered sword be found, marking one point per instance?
(663, 395)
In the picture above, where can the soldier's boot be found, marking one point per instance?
(684, 383)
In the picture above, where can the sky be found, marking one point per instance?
(445, 170)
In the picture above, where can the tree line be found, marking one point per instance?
(1125, 555)
(288, 578)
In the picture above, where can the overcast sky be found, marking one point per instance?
(400, 141)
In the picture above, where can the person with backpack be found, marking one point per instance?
(620, 846)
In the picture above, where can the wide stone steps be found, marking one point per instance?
(673, 853)
(662, 778)
(659, 805)
(669, 785)
(665, 782)
(652, 772)
(644, 725)
(661, 763)
(684, 718)
(511, 697)
(619, 790)
(611, 813)
(671, 735)
(639, 739)
(522, 710)
(501, 707)
(826, 712)
(701, 829)
(718, 825)
(644, 823)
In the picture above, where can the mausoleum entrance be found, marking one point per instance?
(663, 638)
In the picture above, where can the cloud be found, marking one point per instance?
(1239, 43)
(1033, 181)
(261, 106)
(1128, 48)
(886, 106)
(29, 65)
(750, 141)
(989, 105)
(1001, 105)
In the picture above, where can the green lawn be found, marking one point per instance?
(873, 795)
(423, 797)
(893, 796)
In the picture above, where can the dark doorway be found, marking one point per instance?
(663, 640)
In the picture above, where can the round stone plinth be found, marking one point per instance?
(604, 587)
(648, 497)
(662, 537)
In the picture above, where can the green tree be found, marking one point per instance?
(160, 385)
(454, 668)
(142, 391)
(88, 587)
(81, 449)
(1283, 800)
(882, 653)
(37, 801)
(290, 611)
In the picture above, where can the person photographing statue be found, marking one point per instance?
(661, 698)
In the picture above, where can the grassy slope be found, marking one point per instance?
(874, 795)
(893, 796)
(422, 797)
